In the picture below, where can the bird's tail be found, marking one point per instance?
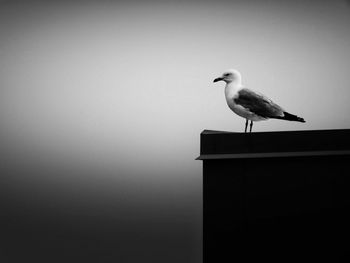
(290, 117)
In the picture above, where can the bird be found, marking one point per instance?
(249, 104)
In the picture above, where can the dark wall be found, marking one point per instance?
(276, 209)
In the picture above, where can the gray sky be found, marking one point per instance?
(124, 89)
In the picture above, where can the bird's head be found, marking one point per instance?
(229, 76)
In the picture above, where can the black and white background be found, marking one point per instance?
(102, 103)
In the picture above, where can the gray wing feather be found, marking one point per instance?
(258, 104)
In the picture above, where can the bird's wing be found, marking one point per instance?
(258, 104)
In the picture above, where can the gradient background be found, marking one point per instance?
(102, 104)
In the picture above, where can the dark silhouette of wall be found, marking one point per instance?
(276, 196)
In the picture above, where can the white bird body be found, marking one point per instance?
(249, 104)
(231, 93)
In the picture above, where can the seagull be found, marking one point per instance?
(249, 104)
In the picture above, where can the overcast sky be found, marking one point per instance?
(123, 90)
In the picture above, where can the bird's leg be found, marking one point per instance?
(251, 126)
(246, 125)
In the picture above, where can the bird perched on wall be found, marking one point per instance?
(251, 105)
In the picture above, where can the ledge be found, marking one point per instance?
(231, 145)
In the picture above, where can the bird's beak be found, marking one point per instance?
(218, 79)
